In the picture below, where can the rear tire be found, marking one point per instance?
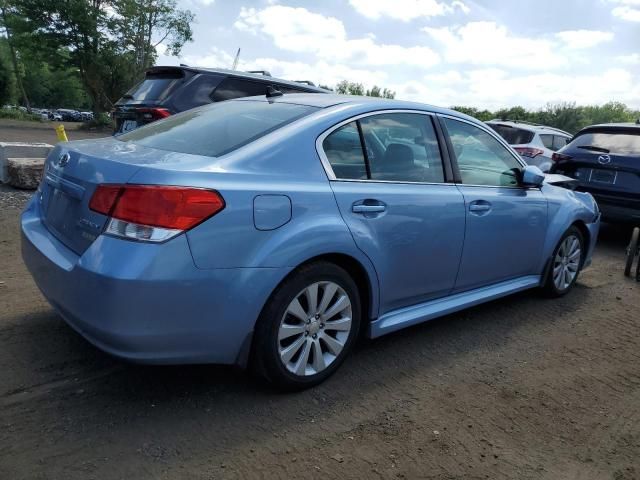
(565, 263)
(632, 251)
(307, 327)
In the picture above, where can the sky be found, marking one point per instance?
(484, 53)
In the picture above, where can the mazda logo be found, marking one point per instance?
(604, 159)
(64, 159)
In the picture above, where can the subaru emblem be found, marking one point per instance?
(604, 159)
(64, 159)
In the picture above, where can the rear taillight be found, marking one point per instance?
(560, 157)
(154, 113)
(528, 151)
(152, 212)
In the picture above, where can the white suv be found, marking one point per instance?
(535, 143)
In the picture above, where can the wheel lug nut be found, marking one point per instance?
(317, 317)
(315, 335)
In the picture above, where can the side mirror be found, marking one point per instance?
(532, 176)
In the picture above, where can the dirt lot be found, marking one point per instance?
(18, 131)
(524, 387)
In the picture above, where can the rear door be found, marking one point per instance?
(388, 179)
(505, 223)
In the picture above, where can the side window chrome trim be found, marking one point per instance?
(327, 165)
(491, 133)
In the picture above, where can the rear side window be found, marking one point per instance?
(400, 147)
(513, 136)
(217, 129)
(547, 140)
(153, 88)
(231, 88)
(625, 143)
(559, 142)
(195, 93)
(344, 152)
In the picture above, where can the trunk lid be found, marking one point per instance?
(72, 173)
(602, 173)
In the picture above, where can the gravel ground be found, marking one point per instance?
(20, 131)
(523, 387)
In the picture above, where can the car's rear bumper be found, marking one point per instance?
(145, 302)
(617, 209)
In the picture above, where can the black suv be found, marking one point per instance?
(168, 90)
(605, 159)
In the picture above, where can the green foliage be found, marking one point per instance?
(6, 87)
(15, 114)
(101, 121)
(352, 88)
(107, 43)
(565, 116)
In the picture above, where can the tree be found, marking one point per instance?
(109, 42)
(352, 88)
(143, 25)
(7, 15)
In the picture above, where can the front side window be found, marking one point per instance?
(482, 160)
(402, 147)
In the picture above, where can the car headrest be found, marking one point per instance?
(398, 156)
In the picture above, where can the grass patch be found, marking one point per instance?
(15, 114)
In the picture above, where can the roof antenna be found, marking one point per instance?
(273, 92)
(235, 60)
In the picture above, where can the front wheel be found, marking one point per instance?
(565, 263)
(307, 328)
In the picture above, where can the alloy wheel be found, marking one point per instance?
(314, 328)
(567, 262)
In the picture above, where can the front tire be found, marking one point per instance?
(566, 263)
(307, 328)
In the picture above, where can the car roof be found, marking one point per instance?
(374, 103)
(531, 127)
(237, 74)
(628, 125)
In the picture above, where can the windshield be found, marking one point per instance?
(217, 129)
(513, 136)
(626, 143)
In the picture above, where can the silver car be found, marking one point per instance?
(535, 143)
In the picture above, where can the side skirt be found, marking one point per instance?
(407, 316)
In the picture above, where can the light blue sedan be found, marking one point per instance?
(271, 232)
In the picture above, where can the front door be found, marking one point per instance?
(506, 223)
(393, 196)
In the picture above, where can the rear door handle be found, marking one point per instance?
(368, 208)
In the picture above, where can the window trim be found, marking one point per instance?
(454, 160)
(445, 159)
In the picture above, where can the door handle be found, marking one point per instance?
(368, 208)
(479, 206)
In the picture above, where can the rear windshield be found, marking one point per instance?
(513, 136)
(615, 142)
(217, 129)
(153, 88)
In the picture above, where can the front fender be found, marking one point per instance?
(566, 207)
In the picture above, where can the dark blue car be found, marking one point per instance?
(605, 159)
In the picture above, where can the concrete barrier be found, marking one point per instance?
(20, 150)
(25, 173)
